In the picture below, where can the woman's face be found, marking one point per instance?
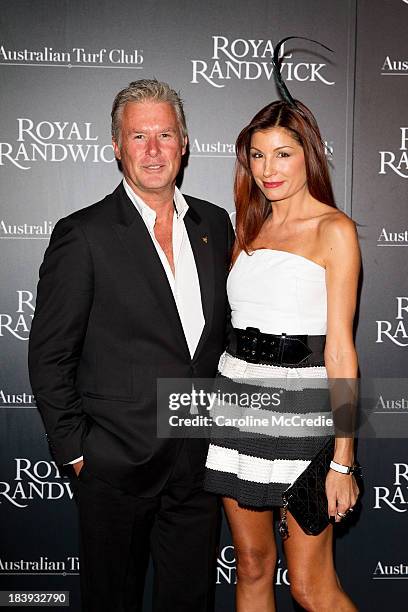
(277, 164)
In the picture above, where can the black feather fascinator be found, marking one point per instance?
(277, 64)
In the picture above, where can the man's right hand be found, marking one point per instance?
(78, 467)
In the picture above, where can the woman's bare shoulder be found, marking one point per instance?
(336, 225)
(338, 237)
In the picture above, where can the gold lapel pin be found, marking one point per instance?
(204, 239)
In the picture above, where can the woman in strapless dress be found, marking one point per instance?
(292, 291)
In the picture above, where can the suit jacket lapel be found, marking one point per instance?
(200, 239)
(135, 237)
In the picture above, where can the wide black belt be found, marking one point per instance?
(254, 346)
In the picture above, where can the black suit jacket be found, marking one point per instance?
(106, 327)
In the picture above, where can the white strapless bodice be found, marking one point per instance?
(278, 292)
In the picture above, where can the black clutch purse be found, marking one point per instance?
(306, 498)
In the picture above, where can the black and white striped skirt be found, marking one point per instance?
(259, 448)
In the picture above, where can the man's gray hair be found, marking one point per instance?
(145, 90)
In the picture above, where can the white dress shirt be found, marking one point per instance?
(185, 284)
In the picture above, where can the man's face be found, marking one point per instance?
(151, 147)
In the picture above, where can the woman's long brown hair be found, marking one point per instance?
(252, 207)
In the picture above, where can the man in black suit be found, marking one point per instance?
(132, 289)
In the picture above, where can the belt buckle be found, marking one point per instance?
(250, 344)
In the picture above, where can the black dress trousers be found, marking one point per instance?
(118, 530)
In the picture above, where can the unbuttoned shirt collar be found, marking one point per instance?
(148, 214)
(184, 283)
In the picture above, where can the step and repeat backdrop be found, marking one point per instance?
(61, 64)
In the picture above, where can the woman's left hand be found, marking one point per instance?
(342, 493)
